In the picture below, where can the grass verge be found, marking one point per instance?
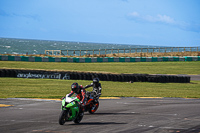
(113, 67)
(52, 88)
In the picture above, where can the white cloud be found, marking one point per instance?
(164, 19)
(149, 18)
(134, 14)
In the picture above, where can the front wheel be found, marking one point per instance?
(94, 107)
(79, 118)
(62, 117)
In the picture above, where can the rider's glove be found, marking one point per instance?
(62, 98)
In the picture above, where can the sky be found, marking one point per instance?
(140, 22)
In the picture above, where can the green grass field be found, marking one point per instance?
(52, 88)
(114, 67)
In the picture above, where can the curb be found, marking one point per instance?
(4, 105)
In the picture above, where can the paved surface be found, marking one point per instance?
(195, 77)
(131, 115)
(192, 77)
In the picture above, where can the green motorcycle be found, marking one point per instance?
(70, 110)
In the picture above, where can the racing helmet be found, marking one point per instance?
(96, 82)
(74, 87)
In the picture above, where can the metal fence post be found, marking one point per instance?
(118, 52)
(74, 52)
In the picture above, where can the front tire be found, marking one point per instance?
(79, 118)
(62, 117)
(94, 107)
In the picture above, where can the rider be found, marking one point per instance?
(96, 86)
(80, 91)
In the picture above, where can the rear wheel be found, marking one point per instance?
(94, 107)
(62, 117)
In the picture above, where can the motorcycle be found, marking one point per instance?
(70, 110)
(92, 103)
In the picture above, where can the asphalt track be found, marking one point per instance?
(131, 115)
(194, 77)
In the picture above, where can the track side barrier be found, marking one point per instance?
(67, 75)
(97, 59)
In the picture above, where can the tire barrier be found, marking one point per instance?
(97, 59)
(67, 75)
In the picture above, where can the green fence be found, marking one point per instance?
(96, 59)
